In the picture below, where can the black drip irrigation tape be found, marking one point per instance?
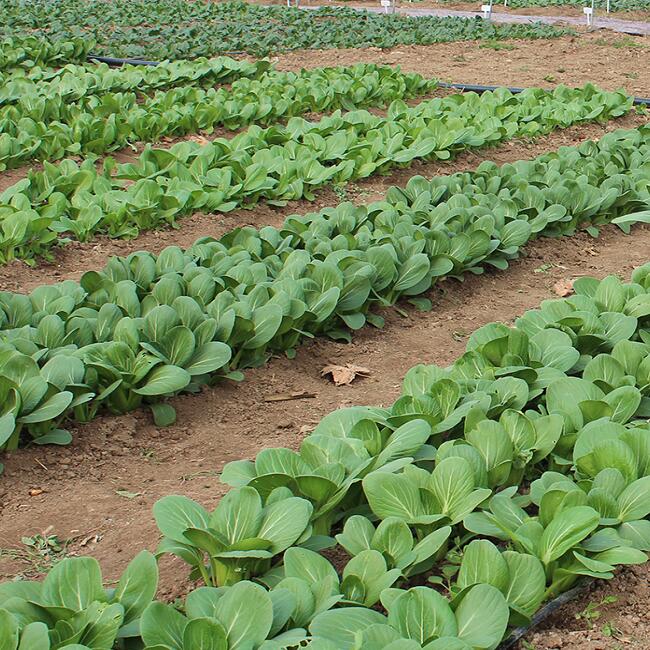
(110, 60)
(481, 89)
(113, 61)
(544, 613)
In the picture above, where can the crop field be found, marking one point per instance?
(302, 346)
(616, 7)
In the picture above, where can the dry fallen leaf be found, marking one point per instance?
(342, 375)
(34, 492)
(563, 288)
(128, 495)
(199, 138)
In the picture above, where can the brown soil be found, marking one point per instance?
(610, 60)
(77, 258)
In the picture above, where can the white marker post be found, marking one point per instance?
(589, 12)
(487, 11)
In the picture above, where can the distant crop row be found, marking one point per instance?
(486, 489)
(277, 164)
(150, 326)
(614, 5)
(70, 115)
(25, 52)
(177, 29)
(73, 81)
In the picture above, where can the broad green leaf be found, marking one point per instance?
(308, 566)
(204, 634)
(34, 637)
(9, 629)
(233, 610)
(340, 626)
(162, 626)
(482, 617)
(164, 380)
(284, 522)
(422, 614)
(634, 501)
(566, 530)
(137, 585)
(483, 563)
(49, 410)
(164, 415)
(175, 514)
(238, 515)
(73, 583)
(208, 358)
(527, 582)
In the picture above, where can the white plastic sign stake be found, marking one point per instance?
(385, 4)
(487, 11)
(589, 12)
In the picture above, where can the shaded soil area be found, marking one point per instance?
(77, 258)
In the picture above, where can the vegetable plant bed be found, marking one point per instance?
(198, 488)
(618, 8)
(99, 492)
(276, 164)
(151, 326)
(630, 11)
(532, 7)
(160, 31)
(51, 119)
(73, 260)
